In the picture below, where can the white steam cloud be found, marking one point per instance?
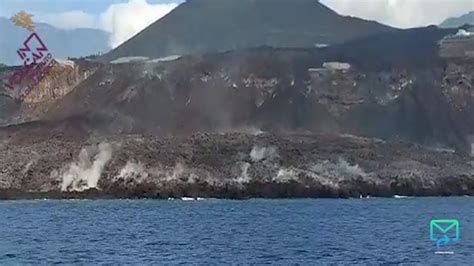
(261, 153)
(244, 176)
(125, 20)
(133, 171)
(84, 174)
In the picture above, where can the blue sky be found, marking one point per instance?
(9, 7)
(99, 14)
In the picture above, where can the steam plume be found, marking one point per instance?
(84, 174)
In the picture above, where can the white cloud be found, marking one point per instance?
(127, 19)
(123, 20)
(68, 20)
(402, 13)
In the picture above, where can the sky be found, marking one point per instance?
(138, 14)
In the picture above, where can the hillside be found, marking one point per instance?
(272, 89)
(387, 93)
(202, 26)
(410, 48)
(455, 22)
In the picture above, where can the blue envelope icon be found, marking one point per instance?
(443, 231)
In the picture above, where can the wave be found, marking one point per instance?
(401, 197)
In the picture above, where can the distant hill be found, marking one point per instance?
(202, 26)
(61, 43)
(455, 22)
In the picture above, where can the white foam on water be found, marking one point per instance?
(401, 197)
(191, 199)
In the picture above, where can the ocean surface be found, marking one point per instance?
(209, 232)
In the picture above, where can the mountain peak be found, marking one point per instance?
(202, 26)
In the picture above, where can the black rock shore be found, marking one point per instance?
(230, 165)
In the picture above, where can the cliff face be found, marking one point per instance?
(67, 75)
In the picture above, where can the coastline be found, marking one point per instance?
(93, 194)
(231, 165)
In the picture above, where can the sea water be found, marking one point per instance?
(321, 231)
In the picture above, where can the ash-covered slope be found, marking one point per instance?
(201, 26)
(409, 48)
(279, 90)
